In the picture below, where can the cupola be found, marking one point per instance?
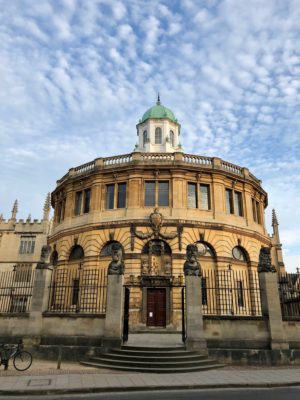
(158, 130)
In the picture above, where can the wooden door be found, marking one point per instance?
(156, 307)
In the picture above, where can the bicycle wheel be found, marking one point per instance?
(22, 360)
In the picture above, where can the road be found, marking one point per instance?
(290, 393)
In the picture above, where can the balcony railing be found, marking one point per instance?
(137, 158)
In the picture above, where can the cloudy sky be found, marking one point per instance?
(76, 75)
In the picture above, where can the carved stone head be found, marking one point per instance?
(116, 266)
(192, 266)
(44, 257)
(264, 264)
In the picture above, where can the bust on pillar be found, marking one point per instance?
(115, 299)
(270, 303)
(195, 339)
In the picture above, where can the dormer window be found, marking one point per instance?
(158, 136)
(144, 138)
(172, 138)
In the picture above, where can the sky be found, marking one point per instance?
(77, 75)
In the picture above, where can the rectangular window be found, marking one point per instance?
(254, 210)
(27, 246)
(192, 195)
(238, 204)
(149, 193)
(163, 194)
(258, 212)
(78, 201)
(240, 294)
(110, 194)
(229, 201)
(204, 197)
(121, 201)
(87, 200)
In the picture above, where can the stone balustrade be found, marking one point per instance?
(160, 158)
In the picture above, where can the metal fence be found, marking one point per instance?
(289, 292)
(16, 290)
(230, 292)
(78, 291)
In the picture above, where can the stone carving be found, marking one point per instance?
(264, 263)
(116, 266)
(44, 257)
(192, 266)
(156, 222)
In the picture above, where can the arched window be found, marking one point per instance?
(77, 253)
(158, 136)
(144, 138)
(54, 258)
(106, 249)
(240, 254)
(172, 138)
(205, 250)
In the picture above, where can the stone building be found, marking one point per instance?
(154, 202)
(155, 243)
(21, 240)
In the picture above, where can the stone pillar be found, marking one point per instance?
(270, 304)
(114, 311)
(39, 304)
(195, 339)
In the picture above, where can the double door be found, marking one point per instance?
(156, 307)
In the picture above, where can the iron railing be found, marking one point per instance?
(231, 293)
(289, 293)
(16, 290)
(79, 290)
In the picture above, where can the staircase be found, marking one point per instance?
(153, 359)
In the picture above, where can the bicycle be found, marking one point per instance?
(22, 359)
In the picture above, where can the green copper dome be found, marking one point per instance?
(158, 112)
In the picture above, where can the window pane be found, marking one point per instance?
(158, 137)
(150, 193)
(110, 192)
(21, 247)
(87, 200)
(121, 195)
(78, 199)
(238, 205)
(258, 212)
(32, 246)
(192, 195)
(254, 210)
(172, 138)
(204, 197)
(163, 194)
(144, 138)
(229, 204)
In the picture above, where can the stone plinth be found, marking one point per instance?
(114, 311)
(194, 322)
(270, 304)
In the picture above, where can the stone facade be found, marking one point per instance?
(21, 240)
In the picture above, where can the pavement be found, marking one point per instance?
(44, 378)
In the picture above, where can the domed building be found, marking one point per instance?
(154, 202)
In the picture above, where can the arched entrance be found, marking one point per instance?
(156, 272)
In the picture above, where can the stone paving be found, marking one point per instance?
(43, 377)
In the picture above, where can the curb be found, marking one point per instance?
(38, 392)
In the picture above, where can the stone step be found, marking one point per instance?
(151, 357)
(156, 370)
(155, 353)
(178, 363)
